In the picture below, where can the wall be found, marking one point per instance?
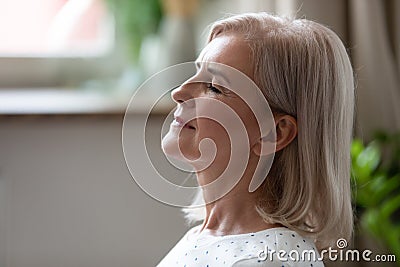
(67, 198)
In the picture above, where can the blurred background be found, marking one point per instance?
(67, 71)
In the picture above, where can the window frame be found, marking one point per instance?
(64, 69)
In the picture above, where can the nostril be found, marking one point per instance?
(179, 95)
(183, 93)
(175, 96)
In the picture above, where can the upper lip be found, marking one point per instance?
(182, 121)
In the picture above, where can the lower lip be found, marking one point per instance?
(180, 125)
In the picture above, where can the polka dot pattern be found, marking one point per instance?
(238, 250)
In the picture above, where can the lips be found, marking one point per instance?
(178, 121)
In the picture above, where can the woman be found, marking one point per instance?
(304, 202)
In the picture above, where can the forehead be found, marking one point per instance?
(231, 50)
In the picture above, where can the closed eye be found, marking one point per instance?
(213, 89)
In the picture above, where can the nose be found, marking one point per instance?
(183, 93)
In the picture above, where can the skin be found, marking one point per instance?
(235, 212)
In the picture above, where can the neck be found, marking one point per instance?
(235, 212)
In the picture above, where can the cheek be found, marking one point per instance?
(252, 128)
(208, 128)
(228, 128)
(249, 120)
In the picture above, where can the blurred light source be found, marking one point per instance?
(54, 28)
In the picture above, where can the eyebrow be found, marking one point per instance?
(214, 71)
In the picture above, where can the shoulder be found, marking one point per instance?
(271, 247)
(282, 247)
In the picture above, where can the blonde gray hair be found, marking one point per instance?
(303, 70)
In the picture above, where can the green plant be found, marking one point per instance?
(376, 184)
(135, 19)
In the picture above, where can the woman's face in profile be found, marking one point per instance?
(195, 98)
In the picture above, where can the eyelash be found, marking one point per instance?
(213, 88)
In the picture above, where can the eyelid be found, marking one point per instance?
(213, 78)
(220, 87)
(209, 86)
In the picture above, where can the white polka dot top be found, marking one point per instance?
(275, 247)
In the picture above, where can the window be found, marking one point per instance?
(54, 42)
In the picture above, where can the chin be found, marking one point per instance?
(178, 148)
(170, 146)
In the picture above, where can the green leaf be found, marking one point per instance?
(385, 187)
(377, 195)
(370, 221)
(356, 148)
(368, 160)
(390, 206)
